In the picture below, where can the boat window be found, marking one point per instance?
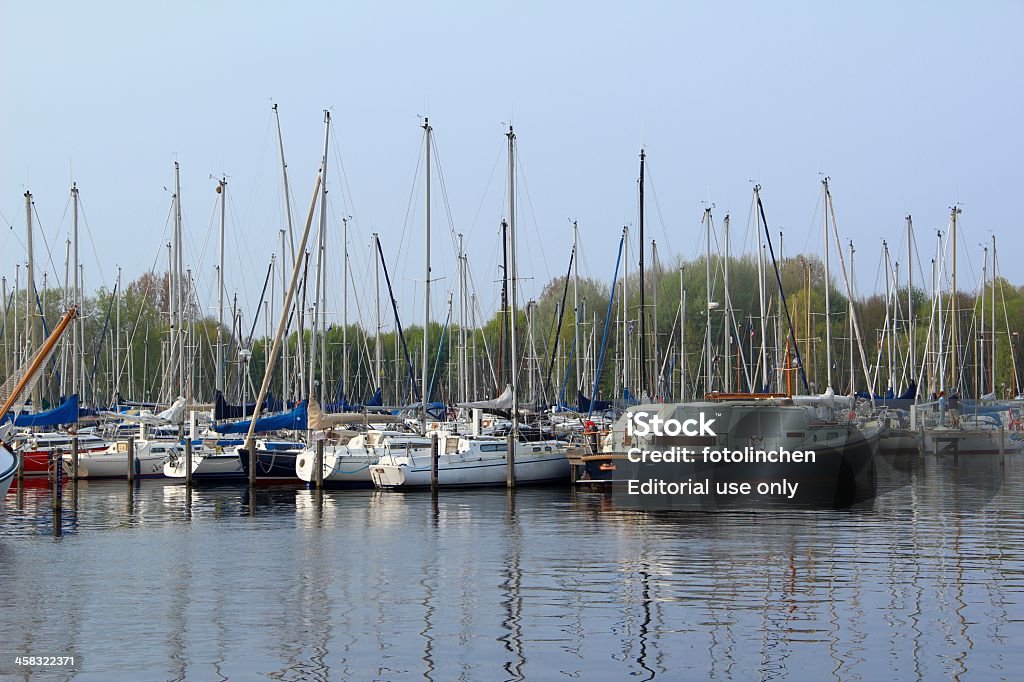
(493, 447)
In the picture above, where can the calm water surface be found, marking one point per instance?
(925, 581)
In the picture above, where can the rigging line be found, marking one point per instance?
(348, 202)
(782, 294)
(444, 195)
(533, 214)
(814, 224)
(206, 242)
(49, 254)
(259, 171)
(408, 207)
(483, 197)
(657, 204)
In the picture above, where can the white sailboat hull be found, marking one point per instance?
(219, 465)
(342, 465)
(970, 441)
(115, 465)
(457, 470)
(8, 469)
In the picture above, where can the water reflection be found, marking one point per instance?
(924, 581)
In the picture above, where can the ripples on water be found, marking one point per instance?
(925, 581)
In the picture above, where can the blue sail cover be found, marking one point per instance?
(585, 404)
(65, 413)
(297, 420)
(375, 400)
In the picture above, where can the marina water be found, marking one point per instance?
(925, 581)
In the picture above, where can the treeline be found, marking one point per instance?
(125, 342)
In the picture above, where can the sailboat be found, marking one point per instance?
(15, 387)
(479, 460)
(349, 454)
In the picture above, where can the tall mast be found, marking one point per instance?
(463, 354)
(512, 275)
(954, 314)
(728, 312)
(760, 291)
(780, 380)
(707, 279)
(317, 311)
(888, 312)
(286, 259)
(937, 292)
(287, 192)
(853, 389)
(980, 374)
(286, 388)
(378, 377)
(344, 311)
(828, 287)
(30, 300)
(426, 275)
(910, 295)
(576, 299)
(76, 328)
(222, 190)
(178, 339)
(682, 334)
(643, 313)
(993, 304)
(625, 311)
(654, 326)
(117, 334)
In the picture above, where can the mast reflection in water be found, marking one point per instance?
(923, 581)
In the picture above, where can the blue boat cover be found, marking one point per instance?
(297, 420)
(585, 404)
(65, 413)
(222, 409)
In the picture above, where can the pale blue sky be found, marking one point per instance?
(909, 107)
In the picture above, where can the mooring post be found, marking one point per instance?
(188, 461)
(433, 463)
(131, 459)
(510, 460)
(318, 465)
(56, 464)
(250, 444)
(74, 458)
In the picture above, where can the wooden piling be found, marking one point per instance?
(188, 461)
(250, 444)
(318, 465)
(74, 458)
(433, 463)
(131, 459)
(510, 460)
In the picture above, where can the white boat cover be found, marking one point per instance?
(320, 420)
(502, 402)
